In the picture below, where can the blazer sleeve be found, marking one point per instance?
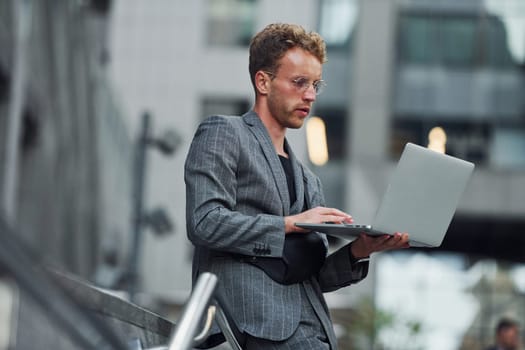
(211, 170)
(339, 271)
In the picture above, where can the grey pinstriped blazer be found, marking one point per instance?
(236, 198)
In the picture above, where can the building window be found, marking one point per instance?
(337, 22)
(230, 22)
(462, 70)
(335, 121)
(224, 106)
(463, 139)
(454, 40)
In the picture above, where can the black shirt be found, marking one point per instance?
(288, 170)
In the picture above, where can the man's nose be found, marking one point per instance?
(309, 94)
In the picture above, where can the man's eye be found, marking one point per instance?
(301, 82)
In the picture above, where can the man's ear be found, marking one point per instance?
(262, 82)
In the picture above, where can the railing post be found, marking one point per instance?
(184, 333)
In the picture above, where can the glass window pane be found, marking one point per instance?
(511, 15)
(335, 119)
(338, 19)
(230, 22)
(212, 105)
(462, 69)
(508, 148)
(458, 41)
(417, 36)
(496, 53)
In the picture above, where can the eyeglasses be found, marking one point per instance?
(302, 84)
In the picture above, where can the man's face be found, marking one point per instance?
(288, 103)
(509, 338)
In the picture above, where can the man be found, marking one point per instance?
(245, 189)
(507, 335)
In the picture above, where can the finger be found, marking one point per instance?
(399, 240)
(336, 212)
(403, 237)
(406, 240)
(401, 234)
(383, 239)
(397, 237)
(388, 242)
(337, 219)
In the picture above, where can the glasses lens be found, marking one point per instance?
(302, 84)
(319, 86)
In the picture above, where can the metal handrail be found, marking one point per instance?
(26, 267)
(212, 309)
(203, 300)
(89, 332)
(184, 333)
(225, 327)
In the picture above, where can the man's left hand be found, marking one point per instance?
(365, 244)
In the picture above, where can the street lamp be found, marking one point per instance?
(157, 219)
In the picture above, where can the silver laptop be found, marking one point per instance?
(421, 199)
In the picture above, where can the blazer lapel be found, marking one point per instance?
(261, 134)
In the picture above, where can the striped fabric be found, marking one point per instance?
(236, 198)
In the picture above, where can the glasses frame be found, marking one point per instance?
(302, 83)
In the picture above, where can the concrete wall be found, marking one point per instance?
(72, 168)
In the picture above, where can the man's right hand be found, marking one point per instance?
(315, 215)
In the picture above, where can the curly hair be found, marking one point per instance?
(270, 44)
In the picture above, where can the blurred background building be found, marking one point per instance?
(450, 72)
(64, 146)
